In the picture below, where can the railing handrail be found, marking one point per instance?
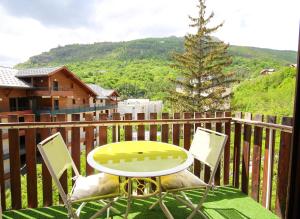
(17, 125)
(274, 126)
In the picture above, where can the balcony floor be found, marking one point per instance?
(224, 202)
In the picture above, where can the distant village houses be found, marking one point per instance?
(136, 106)
(267, 71)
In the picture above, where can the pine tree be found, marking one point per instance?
(202, 81)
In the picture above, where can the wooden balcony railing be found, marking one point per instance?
(256, 156)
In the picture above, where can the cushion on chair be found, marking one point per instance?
(95, 185)
(183, 179)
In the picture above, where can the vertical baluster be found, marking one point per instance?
(237, 151)
(30, 144)
(283, 166)
(256, 159)
(15, 164)
(246, 154)
(165, 129)
(75, 144)
(268, 164)
(227, 150)
(64, 177)
(218, 129)
(47, 179)
(89, 141)
(103, 130)
(207, 168)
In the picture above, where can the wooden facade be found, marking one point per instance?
(57, 90)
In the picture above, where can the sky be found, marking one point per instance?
(30, 27)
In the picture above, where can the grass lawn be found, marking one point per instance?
(224, 202)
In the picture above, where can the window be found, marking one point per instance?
(83, 101)
(13, 104)
(56, 104)
(74, 101)
(55, 85)
(23, 103)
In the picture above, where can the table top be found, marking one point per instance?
(139, 158)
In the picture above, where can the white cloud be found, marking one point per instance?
(262, 23)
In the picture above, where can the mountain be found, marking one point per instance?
(149, 48)
(142, 68)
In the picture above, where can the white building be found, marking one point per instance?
(135, 106)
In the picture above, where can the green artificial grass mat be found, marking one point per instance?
(223, 202)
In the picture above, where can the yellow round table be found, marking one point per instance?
(139, 158)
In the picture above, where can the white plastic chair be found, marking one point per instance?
(207, 147)
(57, 159)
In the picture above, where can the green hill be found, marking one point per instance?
(149, 48)
(270, 94)
(141, 68)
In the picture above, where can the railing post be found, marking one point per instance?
(227, 150)
(207, 168)
(237, 151)
(256, 159)
(218, 129)
(197, 163)
(116, 128)
(75, 144)
(30, 137)
(268, 164)
(14, 155)
(102, 130)
(64, 177)
(283, 166)
(153, 128)
(47, 179)
(176, 130)
(128, 128)
(187, 132)
(246, 154)
(165, 129)
(89, 141)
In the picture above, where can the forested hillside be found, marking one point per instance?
(270, 94)
(141, 68)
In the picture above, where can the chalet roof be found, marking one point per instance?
(8, 79)
(102, 93)
(36, 72)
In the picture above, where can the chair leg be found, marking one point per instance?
(200, 204)
(188, 203)
(157, 201)
(128, 198)
(78, 211)
(102, 210)
(114, 210)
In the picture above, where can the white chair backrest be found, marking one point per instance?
(55, 154)
(207, 146)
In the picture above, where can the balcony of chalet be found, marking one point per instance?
(51, 91)
(251, 181)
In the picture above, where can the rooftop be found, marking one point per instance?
(101, 92)
(8, 78)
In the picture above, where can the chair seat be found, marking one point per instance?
(183, 179)
(101, 184)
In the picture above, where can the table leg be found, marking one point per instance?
(161, 202)
(129, 197)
